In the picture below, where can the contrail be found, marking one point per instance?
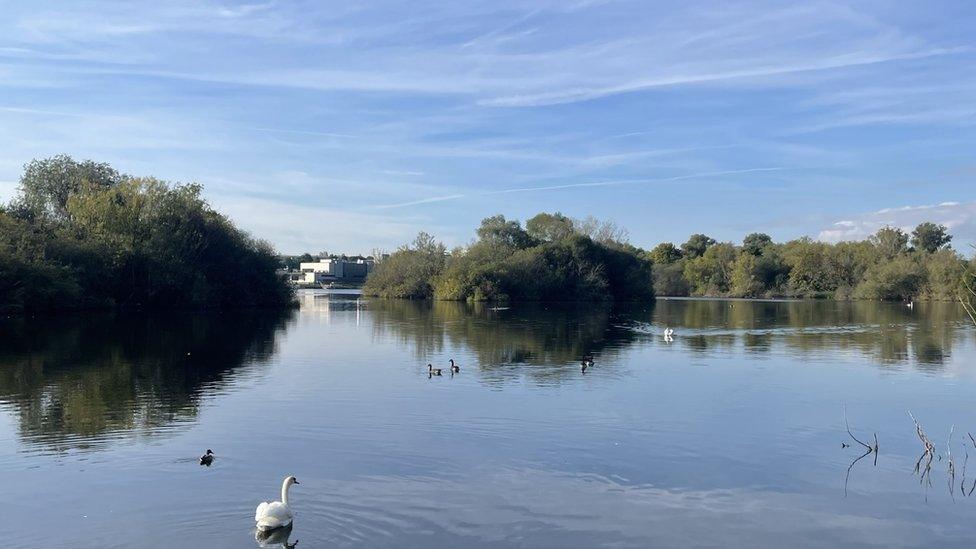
(576, 185)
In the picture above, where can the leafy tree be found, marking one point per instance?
(929, 237)
(665, 253)
(710, 274)
(890, 241)
(755, 243)
(669, 280)
(546, 227)
(898, 279)
(47, 184)
(806, 259)
(696, 245)
(944, 275)
(79, 235)
(410, 272)
(746, 280)
(509, 233)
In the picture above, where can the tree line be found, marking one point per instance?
(554, 257)
(551, 258)
(890, 265)
(83, 235)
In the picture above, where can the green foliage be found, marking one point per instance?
(944, 275)
(410, 272)
(882, 267)
(901, 278)
(696, 245)
(755, 243)
(806, 259)
(967, 294)
(665, 253)
(550, 227)
(711, 273)
(929, 237)
(890, 241)
(549, 261)
(80, 235)
(669, 279)
(508, 233)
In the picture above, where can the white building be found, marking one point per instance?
(334, 269)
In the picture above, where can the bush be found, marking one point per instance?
(898, 279)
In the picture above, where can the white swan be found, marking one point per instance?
(668, 332)
(276, 514)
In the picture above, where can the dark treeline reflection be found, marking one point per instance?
(76, 381)
(559, 334)
(885, 332)
(506, 339)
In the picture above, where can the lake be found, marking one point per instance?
(731, 434)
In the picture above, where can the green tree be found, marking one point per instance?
(665, 253)
(806, 260)
(929, 237)
(409, 272)
(79, 235)
(509, 233)
(944, 274)
(710, 274)
(47, 184)
(890, 241)
(696, 245)
(755, 243)
(669, 280)
(546, 227)
(898, 279)
(746, 280)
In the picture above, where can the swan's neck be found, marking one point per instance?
(284, 492)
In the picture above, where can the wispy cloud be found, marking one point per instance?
(695, 176)
(393, 109)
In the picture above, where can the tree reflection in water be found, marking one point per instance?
(77, 382)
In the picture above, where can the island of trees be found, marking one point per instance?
(83, 235)
(554, 257)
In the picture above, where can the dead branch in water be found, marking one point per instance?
(951, 467)
(866, 446)
(929, 452)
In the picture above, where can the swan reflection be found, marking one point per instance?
(276, 537)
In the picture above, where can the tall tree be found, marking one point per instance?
(47, 184)
(665, 253)
(929, 237)
(502, 231)
(890, 241)
(696, 245)
(547, 227)
(755, 243)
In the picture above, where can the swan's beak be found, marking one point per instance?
(296, 481)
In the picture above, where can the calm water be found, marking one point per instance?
(728, 436)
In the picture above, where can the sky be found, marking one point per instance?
(350, 126)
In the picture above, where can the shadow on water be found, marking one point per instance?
(888, 333)
(535, 340)
(77, 383)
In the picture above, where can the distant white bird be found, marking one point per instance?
(668, 332)
(276, 514)
(910, 304)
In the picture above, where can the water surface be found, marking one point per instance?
(728, 436)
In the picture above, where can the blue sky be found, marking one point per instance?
(348, 126)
